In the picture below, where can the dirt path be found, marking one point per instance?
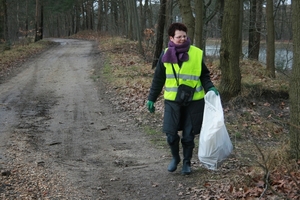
(58, 122)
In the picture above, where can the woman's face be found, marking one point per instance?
(179, 37)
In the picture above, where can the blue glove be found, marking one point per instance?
(214, 89)
(150, 106)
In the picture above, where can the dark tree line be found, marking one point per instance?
(67, 17)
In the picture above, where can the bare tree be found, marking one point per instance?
(115, 16)
(122, 19)
(252, 26)
(38, 21)
(99, 13)
(294, 92)
(5, 27)
(129, 28)
(199, 23)
(1, 21)
(188, 18)
(270, 70)
(211, 8)
(77, 16)
(137, 27)
(254, 29)
(143, 15)
(230, 85)
(160, 32)
(89, 14)
(26, 19)
(169, 13)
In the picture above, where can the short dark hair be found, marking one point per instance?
(176, 26)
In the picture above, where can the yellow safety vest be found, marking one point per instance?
(188, 74)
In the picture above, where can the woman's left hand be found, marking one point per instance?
(214, 89)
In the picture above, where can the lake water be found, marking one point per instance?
(283, 57)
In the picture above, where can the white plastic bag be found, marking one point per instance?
(214, 141)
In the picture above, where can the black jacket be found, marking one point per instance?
(176, 115)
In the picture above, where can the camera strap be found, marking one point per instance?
(177, 79)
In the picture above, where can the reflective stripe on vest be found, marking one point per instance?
(188, 74)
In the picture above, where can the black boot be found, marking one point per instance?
(176, 158)
(187, 154)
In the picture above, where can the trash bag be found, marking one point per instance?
(214, 142)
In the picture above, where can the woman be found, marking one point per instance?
(186, 78)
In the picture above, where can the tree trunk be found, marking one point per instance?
(137, 27)
(6, 36)
(270, 70)
(72, 22)
(230, 85)
(160, 32)
(114, 8)
(122, 18)
(83, 16)
(76, 10)
(150, 15)
(199, 23)
(130, 33)
(38, 21)
(220, 19)
(143, 16)
(252, 25)
(188, 18)
(169, 13)
(106, 10)
(42, 22)
(89, 15)
(2, 20)
(58, 26)
(215, 7)
(257, 30)
(26, 19)
(294, 92)
(99, 24)
(240, 38)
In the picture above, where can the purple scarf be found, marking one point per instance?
(170, 55)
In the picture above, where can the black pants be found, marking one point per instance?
(186, 118)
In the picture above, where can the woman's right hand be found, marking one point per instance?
(150, 106)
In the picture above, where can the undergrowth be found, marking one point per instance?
(256, 119)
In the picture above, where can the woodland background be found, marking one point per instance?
(230, 25)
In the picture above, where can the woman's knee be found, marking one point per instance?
(188, 141)
(172, 138)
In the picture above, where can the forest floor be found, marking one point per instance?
(74, 125)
